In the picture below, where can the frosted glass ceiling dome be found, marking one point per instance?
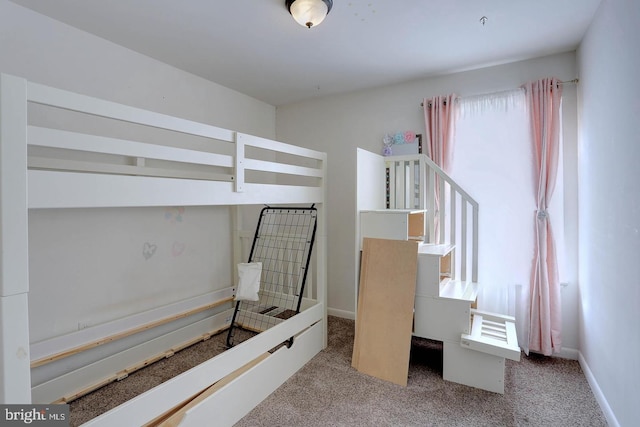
(309, 13)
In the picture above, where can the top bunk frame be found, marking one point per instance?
(236, 169)
(59, 183)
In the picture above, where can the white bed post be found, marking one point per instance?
(15, 369)
(321, 253)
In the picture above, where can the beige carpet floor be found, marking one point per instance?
(539, 391)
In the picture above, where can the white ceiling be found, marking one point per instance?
(255, 47)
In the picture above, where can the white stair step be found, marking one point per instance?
(433, 249)
(492, 334)
(434, 268)
(459, 290)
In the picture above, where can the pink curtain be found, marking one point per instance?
(439, 117)
(543, 99)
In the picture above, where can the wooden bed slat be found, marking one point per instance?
(101, 341)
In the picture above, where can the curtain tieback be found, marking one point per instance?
(542, 214)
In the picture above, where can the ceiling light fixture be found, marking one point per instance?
(309, 12)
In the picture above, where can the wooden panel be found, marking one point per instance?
(385, 309)
(416, 224)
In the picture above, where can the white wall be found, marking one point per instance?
(88, 265)
(338, 124)
(609, 177)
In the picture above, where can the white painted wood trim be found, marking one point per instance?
(239, 163)
(431, 204)
(52, 189)
(154, 402)
(343, 314)
(139, 169)
(45, 137)
(463, 242)
(401, 191)
(14, 249)
(452, 230)
(474, 244)
(321, 248)
(612, 420)
(432, 166)
(492, 334)
(261, 165)
(15, 386)
(281, 147)
(411, 187)
(45, 95)
(443, 209)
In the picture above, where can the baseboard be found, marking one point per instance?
(341, 313)
(567, 353)
(595, 388)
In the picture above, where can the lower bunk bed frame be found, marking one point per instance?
(248, 170)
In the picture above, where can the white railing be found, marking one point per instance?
(416, 182)
(157, 146)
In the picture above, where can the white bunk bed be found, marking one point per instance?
(234, 170)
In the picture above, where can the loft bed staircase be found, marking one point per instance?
(422, 202)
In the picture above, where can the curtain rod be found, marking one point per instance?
(574, 81)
